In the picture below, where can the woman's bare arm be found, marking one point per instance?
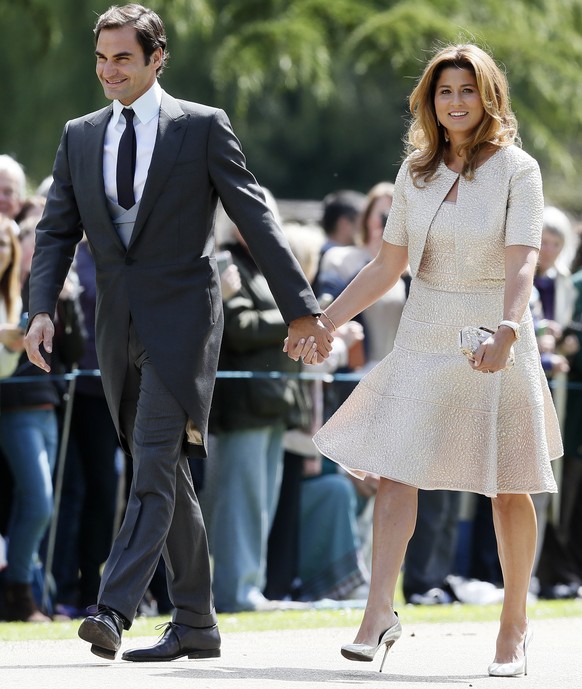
(520, 266)
(374, 280)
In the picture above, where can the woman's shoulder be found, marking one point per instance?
(405, 165)
(514, 157)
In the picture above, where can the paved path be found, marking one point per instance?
(439, 656)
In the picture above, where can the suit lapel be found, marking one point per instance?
(93, 160)
(171, 130)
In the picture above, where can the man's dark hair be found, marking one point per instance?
(339, 204)
(151, 33)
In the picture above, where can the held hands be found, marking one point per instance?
(308, 339)
(41, 331)
(492, 354)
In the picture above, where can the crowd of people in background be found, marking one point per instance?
(286, 526)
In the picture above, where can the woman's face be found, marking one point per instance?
(550, 249)
(377, 217)
(5, 250)
(458, 103)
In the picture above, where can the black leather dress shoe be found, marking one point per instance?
(103, 632)
(177, 641)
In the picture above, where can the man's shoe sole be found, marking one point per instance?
(101, 644)
(212, 653)
(192, 655)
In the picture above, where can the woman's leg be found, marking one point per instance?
(29, 442)
(240, 517)
(394, 521)
(515, 527)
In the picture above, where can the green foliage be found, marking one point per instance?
(316, 88)
(289, 47)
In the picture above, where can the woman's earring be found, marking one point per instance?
(445, 133)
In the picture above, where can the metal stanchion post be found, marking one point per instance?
(57, 491)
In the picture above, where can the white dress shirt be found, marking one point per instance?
(145, 121)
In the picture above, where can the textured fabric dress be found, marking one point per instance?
(422, 416)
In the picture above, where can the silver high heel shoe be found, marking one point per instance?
(366, 653)
(517, 668)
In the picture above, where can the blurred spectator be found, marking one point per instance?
(555, 291)
(251, 417)
(10, 345)
(29, 439)
(32, 207)
(10, 301)
(553, 312)
(340, 264)
(430, 555)
(44, 186)
(314, 547)
(12, 186)
(341, 218)
(560, 567)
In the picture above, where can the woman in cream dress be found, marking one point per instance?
(467, 217)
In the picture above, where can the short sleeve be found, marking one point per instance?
(525, 206)
(396, 231)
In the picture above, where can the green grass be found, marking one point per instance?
(300, 619)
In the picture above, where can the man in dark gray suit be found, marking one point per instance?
(159, 309)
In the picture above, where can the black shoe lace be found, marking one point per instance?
(165, 626)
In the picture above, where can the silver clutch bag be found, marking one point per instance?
(471, 338)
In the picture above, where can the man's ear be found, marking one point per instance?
(157, 56)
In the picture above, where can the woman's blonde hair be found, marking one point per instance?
(10, 280)
(425, 135)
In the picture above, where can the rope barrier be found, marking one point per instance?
(303, 375)
(95, 373)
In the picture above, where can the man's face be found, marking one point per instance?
(10, 201)
(121, 65)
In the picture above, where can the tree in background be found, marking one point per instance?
(316, 88)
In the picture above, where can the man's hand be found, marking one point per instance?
(308, 338)
(41, 331)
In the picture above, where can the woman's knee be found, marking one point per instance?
(388, 488)
(505, 501)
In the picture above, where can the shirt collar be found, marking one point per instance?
(146, 107)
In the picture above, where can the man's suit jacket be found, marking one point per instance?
(166, 280)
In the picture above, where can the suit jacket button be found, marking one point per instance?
(129, 261)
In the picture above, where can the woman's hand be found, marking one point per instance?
(305, 349)
(493, 353)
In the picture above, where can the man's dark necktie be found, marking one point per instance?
(126, 155)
